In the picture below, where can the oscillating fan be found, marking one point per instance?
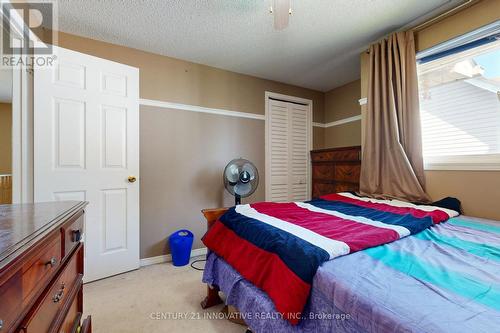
(240, 178)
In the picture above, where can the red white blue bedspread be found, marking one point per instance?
(278, 247)
(444, 279)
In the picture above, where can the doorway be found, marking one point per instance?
(6, 136)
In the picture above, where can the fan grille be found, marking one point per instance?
(241, 177)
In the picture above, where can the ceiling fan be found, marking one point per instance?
(281, 9)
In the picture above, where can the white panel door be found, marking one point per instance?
(288, 142)
(86, 133)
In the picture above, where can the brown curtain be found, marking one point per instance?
(392, 164)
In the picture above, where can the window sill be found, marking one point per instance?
(462, 166)
(470, 163)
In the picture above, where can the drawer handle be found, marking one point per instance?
(76, 235)
(52, 262)
(57, 297)
(348, 173)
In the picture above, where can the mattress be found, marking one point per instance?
(444, 279)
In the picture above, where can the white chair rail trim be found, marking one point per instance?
(338, 122)
(196, 108)
(231, 113)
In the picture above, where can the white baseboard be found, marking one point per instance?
(168, 257)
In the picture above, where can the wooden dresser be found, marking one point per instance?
(335, 170)
(41, 268)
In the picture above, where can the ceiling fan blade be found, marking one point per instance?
(281, 11)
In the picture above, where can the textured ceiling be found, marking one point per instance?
(318, 50)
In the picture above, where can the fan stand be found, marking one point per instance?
(237, 199)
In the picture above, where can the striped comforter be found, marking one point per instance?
(279, 246)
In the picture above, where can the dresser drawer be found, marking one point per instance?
(347, 172)
(10, 300)
(38, 270)
(72, 319)
(44, 313)
(334, 156)
(323, 171)
(72, 232)
(346, 187)
(320, 189)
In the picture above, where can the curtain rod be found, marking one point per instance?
(437, 18)
(441, 16)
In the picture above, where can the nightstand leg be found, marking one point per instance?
(212, 298)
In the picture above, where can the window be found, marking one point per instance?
(460, 105)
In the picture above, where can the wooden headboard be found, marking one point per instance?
(335, 170)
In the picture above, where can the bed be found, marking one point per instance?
(442, 279)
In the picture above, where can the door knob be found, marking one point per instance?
(131, 179)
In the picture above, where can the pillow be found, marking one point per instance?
(449, 203)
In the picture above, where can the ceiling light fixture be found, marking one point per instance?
(281, 9)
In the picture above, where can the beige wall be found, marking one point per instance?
(481, 13)
(5, 138)
(182, 154)
(344, 135)
(341, 103)
(479, 191)
(173, 80)
(318, 137)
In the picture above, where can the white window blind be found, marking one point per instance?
(460, 118)
(460, 107)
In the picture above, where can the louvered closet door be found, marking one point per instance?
(278, 146)
(288, 145)
(298, 152)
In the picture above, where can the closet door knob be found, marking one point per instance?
(131, 179)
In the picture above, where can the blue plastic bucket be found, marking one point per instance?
(180, 243)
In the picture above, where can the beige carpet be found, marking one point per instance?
(153, 299)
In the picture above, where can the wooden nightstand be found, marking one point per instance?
(213, 298)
